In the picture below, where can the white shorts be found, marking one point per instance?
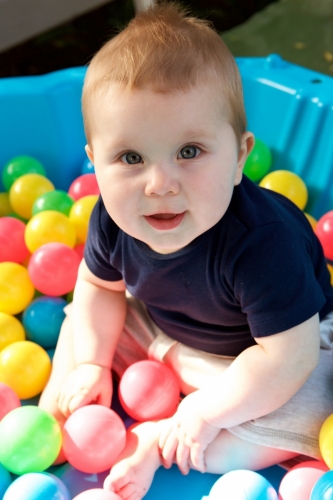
(293, 427)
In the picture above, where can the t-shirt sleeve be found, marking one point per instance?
(274, 279)
(102, 234)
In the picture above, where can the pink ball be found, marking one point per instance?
(324, 232)
(93, 437)
(299, 481)
(53, 269)
(12, 244)
(8, 400)
(97, 494)
(84, 185)
(149, 390)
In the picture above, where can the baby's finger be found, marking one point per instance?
(165, 433)
(198, 457)
(182, 458)
(169, 450)
(78, 401)
(104, 398)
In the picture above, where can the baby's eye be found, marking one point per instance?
(189, 152)
(131, 158)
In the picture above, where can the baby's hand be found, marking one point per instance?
(88, 383)
(186, 436)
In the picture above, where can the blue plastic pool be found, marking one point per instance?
(289, 107)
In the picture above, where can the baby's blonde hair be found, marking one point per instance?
(166, 50)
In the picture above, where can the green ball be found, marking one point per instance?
(258, 162)
(56, 200)
(30, 440)
(18, 166)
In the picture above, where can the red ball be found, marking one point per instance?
(149, 390)
(299, 480)
(84, 185)
(324, 232)
(8, 400)
(12, 244)
(97, 494)
(53, 269)
(93, 437)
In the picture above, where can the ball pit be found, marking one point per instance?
(53, 200)
(25, 190)
(49, 226)
(30, 440)
(149, 390)
(18, 166)
(93, 437)
(41, 486)
(55, 134)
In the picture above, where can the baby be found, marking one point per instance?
(190, 263)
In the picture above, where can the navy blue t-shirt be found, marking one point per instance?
(259, 271)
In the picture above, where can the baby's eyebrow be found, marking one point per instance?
(197, 133)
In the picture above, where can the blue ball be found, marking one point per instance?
(323, 489)
(5, 480)
(242, 485)
(87, 167)
(37, 486)
(42, 320)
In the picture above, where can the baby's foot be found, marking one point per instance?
(133, 473)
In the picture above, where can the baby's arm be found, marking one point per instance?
(99, 310)
(260, 380)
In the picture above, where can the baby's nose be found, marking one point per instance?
(162, 180)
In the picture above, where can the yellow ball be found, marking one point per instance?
(312, 220)
(288, 184)
(49, 226)
(11, 330)
(25, 190)
(5, 207)
(330, 268)
(16, 288)
(80, 215)
(25, 367)
(326, 441)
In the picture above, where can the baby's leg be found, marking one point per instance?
(134, 470)
(62, 365)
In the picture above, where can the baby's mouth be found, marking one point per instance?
(164, 221)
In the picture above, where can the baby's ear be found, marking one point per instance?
(246, 146)
(90, 153)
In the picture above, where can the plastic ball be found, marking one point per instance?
(53, 200)
(80, 215)
(324, 232)
(299, 481)
(323, 489)
(8, 401)
(18, 166)
(47, 227)
(5, 206)
(149, 390)
(330, 270)
(5, 480)
(16, 288)
(12, 244)
(97, 494)
(87, 167)
(312, 220)
(53, 269)
(288, 184)
(11, 330)
(37, 486)
(242, 485)
(258, 162)
(30, 440)
(84, 185)
(93, 437)
(79, 249)
(326, 441)
(25, 190)
(42, 320)
(25, 367)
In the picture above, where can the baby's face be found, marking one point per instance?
(166, 164)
